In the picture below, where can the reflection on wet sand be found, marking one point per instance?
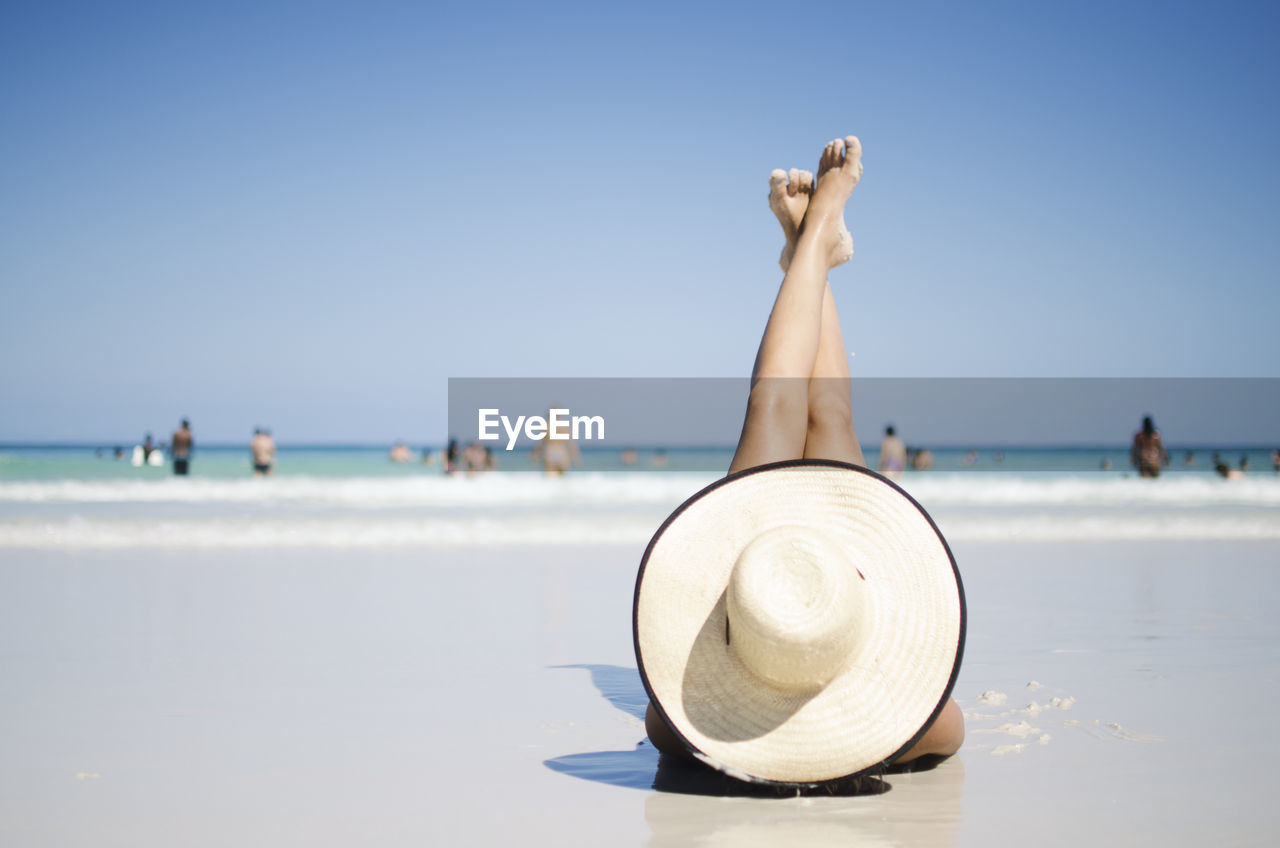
(922, 809)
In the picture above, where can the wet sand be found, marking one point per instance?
(489, 696)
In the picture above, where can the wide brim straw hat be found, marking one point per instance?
(799, 623)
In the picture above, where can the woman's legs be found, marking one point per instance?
(830, 433)
(778, 410)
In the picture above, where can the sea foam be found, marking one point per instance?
(621, 488)
(588, 508)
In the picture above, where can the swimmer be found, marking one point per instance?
(557, 456)
(181, 445)
(893, 454)
(1148, 454)
(262, 449)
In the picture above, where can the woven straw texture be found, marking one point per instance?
(896, 676)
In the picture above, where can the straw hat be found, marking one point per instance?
(799, 622)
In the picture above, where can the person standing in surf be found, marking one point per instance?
(1148, 454)
(180, 446)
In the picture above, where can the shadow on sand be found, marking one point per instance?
(643, 767)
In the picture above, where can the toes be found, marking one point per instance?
(806, 181)
(777, 182)
(852, 149)
(793, 181)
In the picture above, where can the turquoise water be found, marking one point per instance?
(29, 463)
(355, 497)
(217, 462)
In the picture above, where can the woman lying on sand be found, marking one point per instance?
(800, 404)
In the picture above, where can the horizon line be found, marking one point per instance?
(596, 448)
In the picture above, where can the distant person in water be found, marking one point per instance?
(400, 452)
(1244, 462)
(180, 446)
(263, 450)
(922, 459)
(451, 457)
(1190, 459)
(1148, 454)
(1225, 471)
(118, 452)
(893, 454)
(1275, 460)
(147, 447)
(557, 456)
(473, 458)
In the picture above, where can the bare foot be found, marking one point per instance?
(789, 198)
(839, 170)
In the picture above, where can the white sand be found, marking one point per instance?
(400, 698)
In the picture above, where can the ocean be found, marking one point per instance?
(67, 497)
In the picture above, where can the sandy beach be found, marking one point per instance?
(1115, 693)
(355, 353)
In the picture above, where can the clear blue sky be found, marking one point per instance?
(308, 216)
